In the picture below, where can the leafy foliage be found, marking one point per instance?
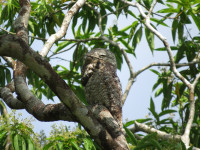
(47, 16)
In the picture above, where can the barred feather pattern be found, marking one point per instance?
(102, 85)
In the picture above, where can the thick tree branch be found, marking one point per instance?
(61, 33)
(42, 112)
(9, 99)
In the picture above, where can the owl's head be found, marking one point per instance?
(101, 55)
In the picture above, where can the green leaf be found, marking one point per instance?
(23, 144)
(143, 120)
(132, 31)
(150, 38)
(59, 146)
(125, 44)
(168, 10)
(127, 27)
(164, 48)
(160, 1)
(153, 111)
(166, 112)
(88, 144)
(152, 106)
(30, 145)
(74, 144)
(148, 3)
(147, 140)
(158, 92)
(131, 136)
(180, 31)
(8, 75)
(133, 15)
(16, 141)
(195, 18)
(129, 123)
(84, 23)
(104, 20)
(3, 135)
(184, 18)
(92, 23)
(167, 93)
(159, 21)
(74, 22)
(137, 37)
(174, 28)
(156, 144)
(180, 53)
(155, 71)
(62, 45)
(2, 75)
(176, 1)
(47, 146)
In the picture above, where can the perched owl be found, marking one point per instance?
(102, 85)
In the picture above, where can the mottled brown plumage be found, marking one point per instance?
(102, 85)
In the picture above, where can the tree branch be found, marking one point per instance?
(7, 96)
(63, 29)
(165, 64)
(152, 7)
(160, 134)
(42, 112)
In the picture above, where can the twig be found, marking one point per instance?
(165, 64)
(152, 7)
(7, 31)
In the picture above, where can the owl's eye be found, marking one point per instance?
(102, 55)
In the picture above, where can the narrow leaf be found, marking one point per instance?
(165, 112)
(131, 136)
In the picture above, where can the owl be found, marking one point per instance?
(101, 83)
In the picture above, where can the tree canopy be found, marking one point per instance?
(29, 75)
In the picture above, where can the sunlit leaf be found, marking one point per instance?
(150, 39)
